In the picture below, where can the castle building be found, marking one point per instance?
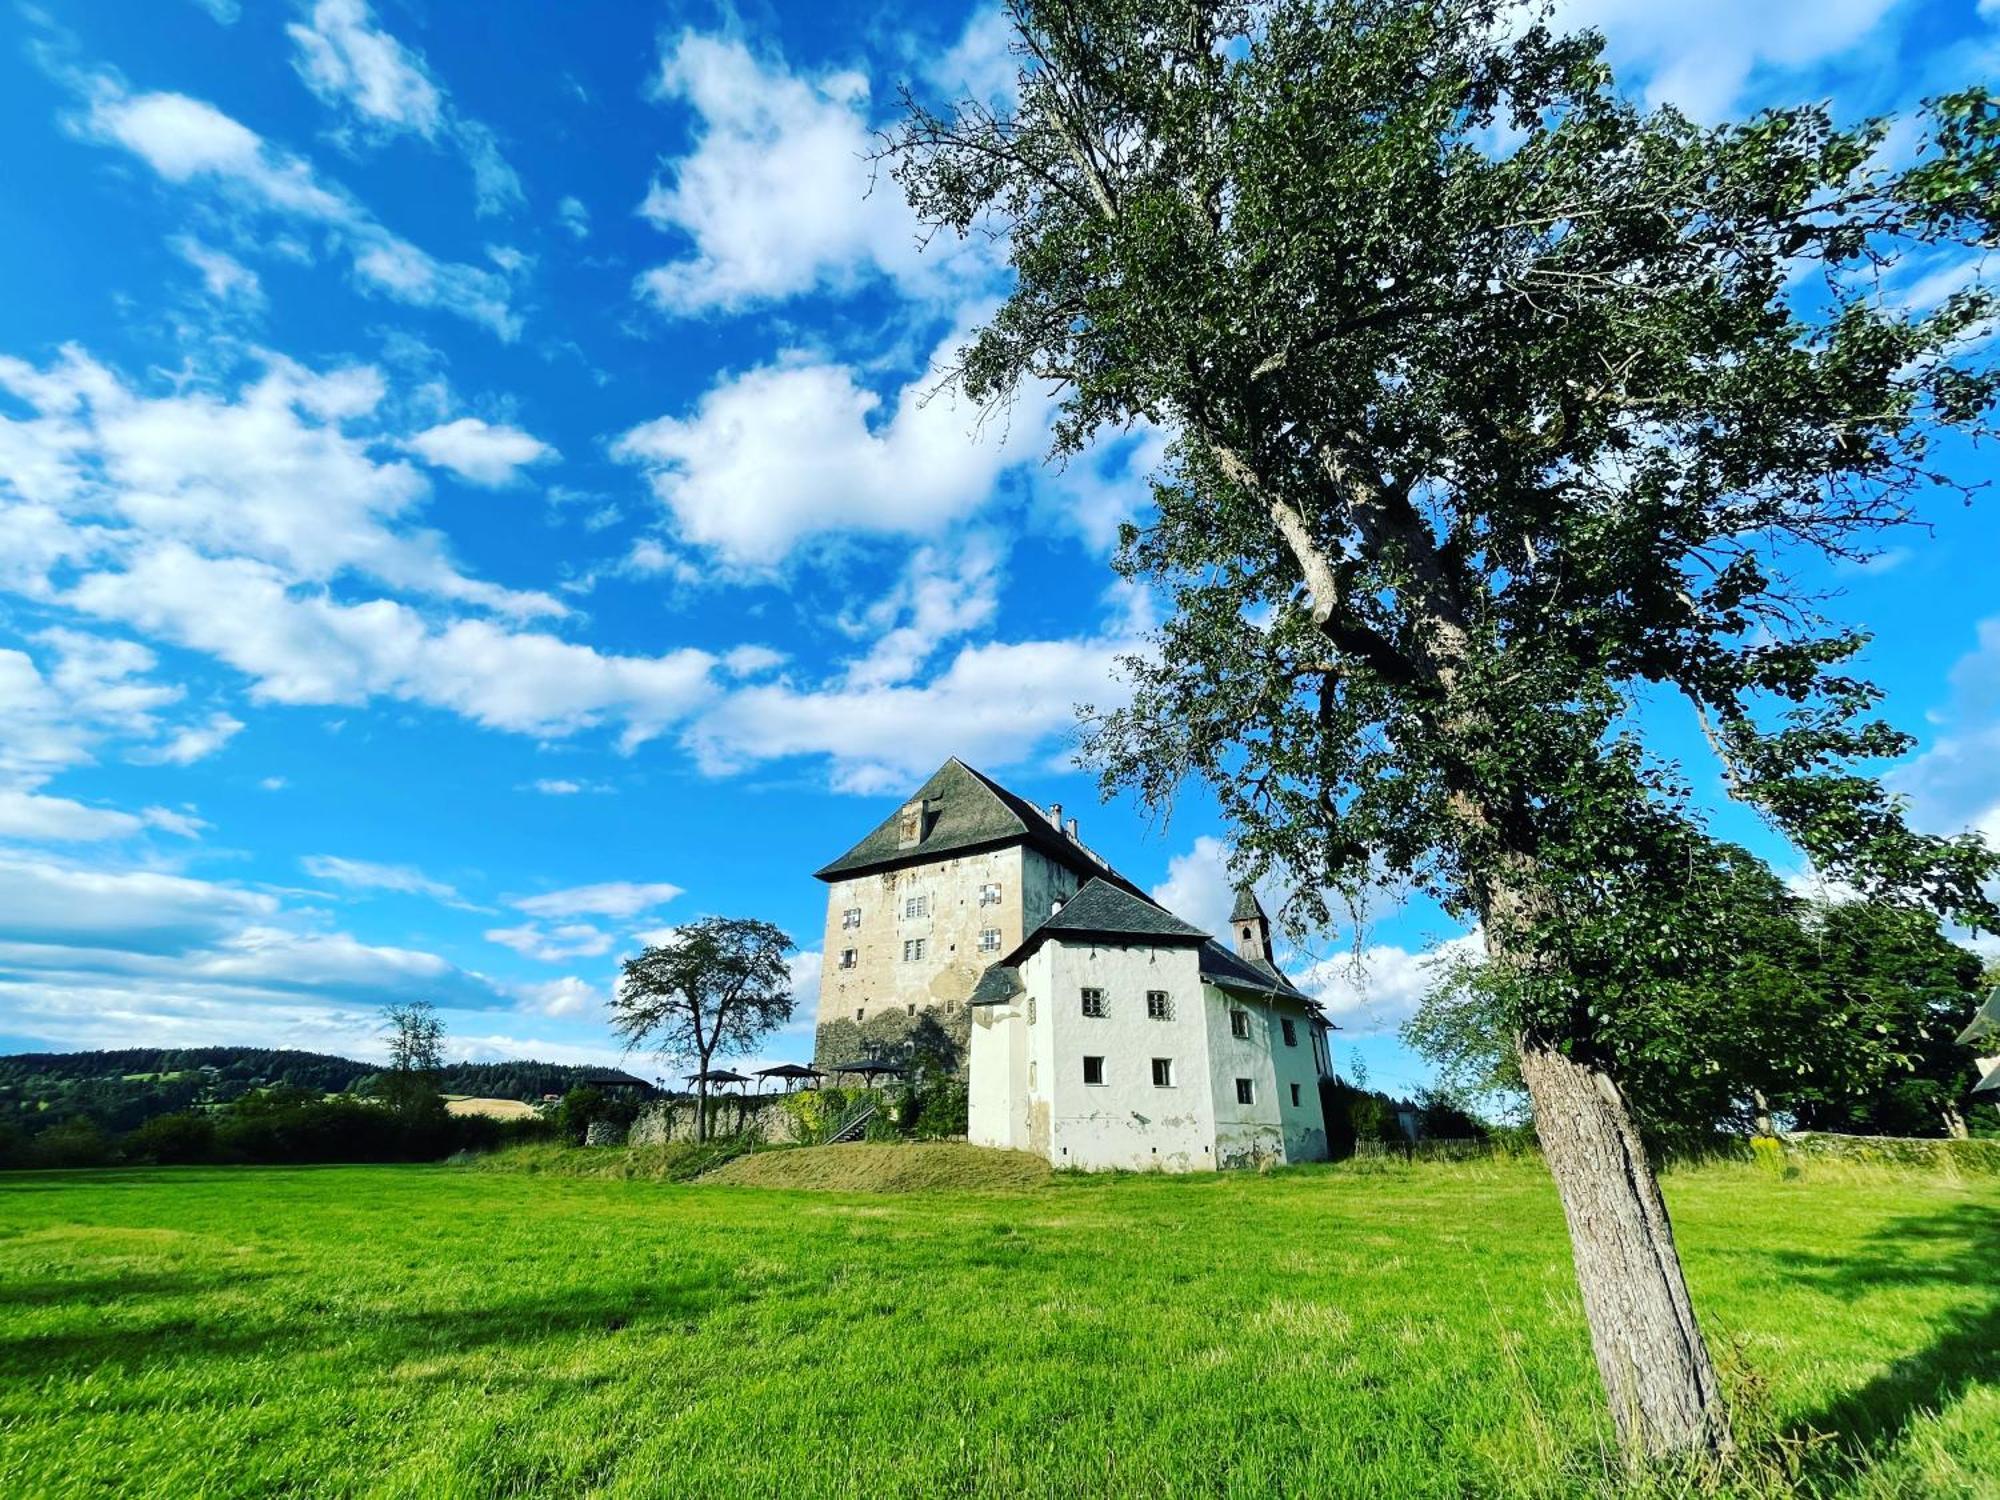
(1098, 1029)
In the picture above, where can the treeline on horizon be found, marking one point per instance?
(121, 1089)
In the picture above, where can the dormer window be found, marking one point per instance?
(910, 825)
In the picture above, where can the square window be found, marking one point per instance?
(1093, 1004)
(1163, 1072)
(989, 940)
(913, 950)
(1291, 1033)
(1295, 1094)
(1246, 1092)
(916, 906)
(1159, 1006)
(989, 895)
(1239, 1023)
(851, 918)
(1093, 1070)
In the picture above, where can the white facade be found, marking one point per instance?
(1124, 1080)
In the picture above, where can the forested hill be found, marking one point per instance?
(123, 1088)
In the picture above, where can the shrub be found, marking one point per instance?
(941, 1110)
(74, 1143)
(172, 1140)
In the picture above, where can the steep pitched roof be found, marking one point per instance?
(965, 811)
(1248, 908)
(1111, 913)
(1234, 971)
(999, 984)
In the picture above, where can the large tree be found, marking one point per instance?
(713, 988)
(1495, 403)
(416, 1056)
(1833, 1014)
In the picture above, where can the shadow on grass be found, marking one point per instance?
(376, 1339)
(1959, 1249)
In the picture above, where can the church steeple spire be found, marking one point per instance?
(1251, 925)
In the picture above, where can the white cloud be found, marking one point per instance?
(941, 596)
(165, 958)
(1199, 888)
(1375, 990)
(366, 875)
(274, 783)
(979, 65)
(193, 742)
(352, 64)
(798, 449)
(553, 945)
(280, 470)
(778, 196)
(225, 278)
(1954, 784)
(995, 704)
(574, 216)
(29, 815)
(345, 59)
(309, 648)
(224, 12)
(1707, 55)
(564, 786)
(568, 996)
(481, 453)
(191, 143)
(611, 898)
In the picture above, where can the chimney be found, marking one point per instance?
(1070, 829)
(1055, 816)
(1055, 906)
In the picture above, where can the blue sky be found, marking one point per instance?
(471, 496)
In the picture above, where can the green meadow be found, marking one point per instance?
(1403, 1331)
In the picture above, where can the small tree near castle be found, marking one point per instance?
(715, 986)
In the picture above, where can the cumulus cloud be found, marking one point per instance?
(280, 470)
(1707, 55)
(482, 453)
(346, 58)
(995, 704)
(41, 819)
(169, 958)
(190, 143)
(1375, 990)
(568, 996)
(778, 197)
(611, 898)
(1953, 785)
(1200, 889)
(801, 448)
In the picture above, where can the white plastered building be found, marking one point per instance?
(1118, 1036)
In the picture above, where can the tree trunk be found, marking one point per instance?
(701, 1105)
(1665, 1398)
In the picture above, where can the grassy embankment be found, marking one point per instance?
(1409, 1331)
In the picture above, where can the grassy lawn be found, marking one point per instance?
(440, 1331)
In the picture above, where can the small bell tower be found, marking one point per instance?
(1252, 926)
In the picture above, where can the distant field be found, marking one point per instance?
(1405, 1332)
(496, 1109)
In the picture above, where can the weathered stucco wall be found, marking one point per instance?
(758, 1118)
(1126, 1120)
(871, 1007)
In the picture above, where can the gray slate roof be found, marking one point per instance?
(1247, 908)
(965, 811)
(999, 984)
(1219, 965)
